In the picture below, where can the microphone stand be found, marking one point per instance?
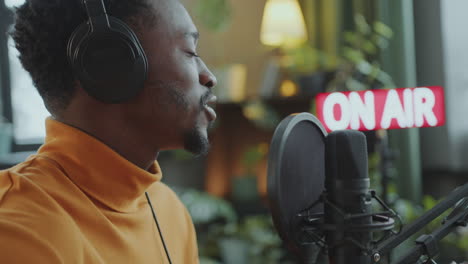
(387, 156)
(427, 244)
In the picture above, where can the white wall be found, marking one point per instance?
(455, 50)
(442, 55)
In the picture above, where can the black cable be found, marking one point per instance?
(159, 229)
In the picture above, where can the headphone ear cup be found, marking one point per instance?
(122, 27)
(110, 64)
(74, 42)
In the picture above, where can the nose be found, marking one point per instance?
(207, 78)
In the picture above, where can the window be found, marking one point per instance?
(27, 111)
(12, 3)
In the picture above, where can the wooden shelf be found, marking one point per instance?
(234, 134)
(273, 100)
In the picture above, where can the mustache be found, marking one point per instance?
(204, 99)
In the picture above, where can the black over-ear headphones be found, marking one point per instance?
(106, 56)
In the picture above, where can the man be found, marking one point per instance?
(82, 198)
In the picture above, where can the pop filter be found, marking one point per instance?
(296, 173)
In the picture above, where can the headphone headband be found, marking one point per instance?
(97, 14)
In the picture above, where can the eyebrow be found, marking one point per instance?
(195, 35)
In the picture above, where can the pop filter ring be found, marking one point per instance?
(289, 191)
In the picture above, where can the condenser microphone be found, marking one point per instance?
(318, 192)
(319, 197)
(347, 190)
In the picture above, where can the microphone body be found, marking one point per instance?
(347, 189)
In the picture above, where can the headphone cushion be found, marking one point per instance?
(110, 64)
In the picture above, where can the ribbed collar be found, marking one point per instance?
(97, 169)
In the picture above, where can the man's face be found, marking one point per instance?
(172, 110)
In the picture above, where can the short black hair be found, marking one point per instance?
(41, 34)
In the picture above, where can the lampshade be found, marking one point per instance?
(283, 24)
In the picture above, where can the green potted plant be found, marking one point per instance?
(215, 15)
(360, 67)
(252, 240)
(309, 67)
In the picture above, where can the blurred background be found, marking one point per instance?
(271, 58)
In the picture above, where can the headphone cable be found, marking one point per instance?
(159, 229)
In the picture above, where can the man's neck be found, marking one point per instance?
(115, 135)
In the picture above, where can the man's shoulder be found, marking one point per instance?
(29, 181)
(23, 244)
(27, 207)
(34, 227)
(35, 237)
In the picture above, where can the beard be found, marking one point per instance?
(196, 143)
(194, 139)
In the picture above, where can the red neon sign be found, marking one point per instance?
(382, 109)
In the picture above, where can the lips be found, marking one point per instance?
(209, 109)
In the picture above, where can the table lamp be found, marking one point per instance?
(283, 24)
(283, 27)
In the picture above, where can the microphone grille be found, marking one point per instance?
(346, 155)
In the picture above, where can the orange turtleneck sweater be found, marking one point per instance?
(78, 201)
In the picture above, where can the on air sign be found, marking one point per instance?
(382, 109)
